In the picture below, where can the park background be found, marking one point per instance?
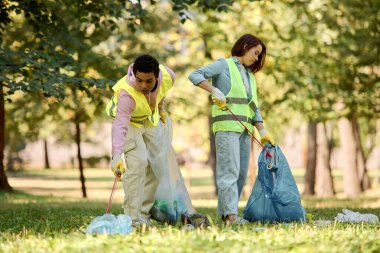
(319, 94)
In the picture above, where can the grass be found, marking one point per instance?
(33, 223)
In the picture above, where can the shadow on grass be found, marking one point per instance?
(358, 202)
(26, 175)
(20, 212)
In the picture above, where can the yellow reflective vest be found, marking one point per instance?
(142, 111)
(237, 102)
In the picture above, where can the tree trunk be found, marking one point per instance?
(377, 150)
(80, 162)
(10, 161)
(330, 145)
(365, 183)
(4, 185)
(311, 159)
(47, 164)
(351, 182)
(324, 181)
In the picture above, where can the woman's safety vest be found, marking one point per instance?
(237, 102)
(142, 110)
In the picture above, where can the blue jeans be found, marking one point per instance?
(232, 158)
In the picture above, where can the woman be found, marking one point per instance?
(233, 85)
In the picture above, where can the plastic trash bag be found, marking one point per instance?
(350, 216)
(275, 196)
(172, 197)
(110, 224)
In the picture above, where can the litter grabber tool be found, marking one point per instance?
(118, 170)
(248, 131)
(109, 223)
(112, 192)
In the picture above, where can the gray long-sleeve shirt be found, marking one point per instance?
(219, 73)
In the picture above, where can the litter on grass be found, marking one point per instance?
(351, 216)
(110, 224)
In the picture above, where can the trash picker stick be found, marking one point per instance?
(249, 132)
(111, 197)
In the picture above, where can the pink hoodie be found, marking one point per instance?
(125, 106)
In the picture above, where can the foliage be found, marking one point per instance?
(34, 57)
(328, 69)
(322, 63)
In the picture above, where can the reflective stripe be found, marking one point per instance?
(237, 101)
(111, 109)
(142, 117)
(138, 121)
(230, 117)
(252, 105)
(242, 101)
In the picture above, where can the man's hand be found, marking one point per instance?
(118, 165)
(266, 137)
(218, 98)
(163, 116)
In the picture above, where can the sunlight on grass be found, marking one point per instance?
(48, 224)
(56, 218)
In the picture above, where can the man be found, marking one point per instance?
(137, 132)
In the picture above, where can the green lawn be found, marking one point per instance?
(32, 223)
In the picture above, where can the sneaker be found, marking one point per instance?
(156, 214)
(197, 220)
(237, 221)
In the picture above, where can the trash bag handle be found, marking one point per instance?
(111, 197)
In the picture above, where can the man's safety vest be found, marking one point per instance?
(142, 110)
(237, 102)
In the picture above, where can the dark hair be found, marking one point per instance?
(146, 63)
(245, 43)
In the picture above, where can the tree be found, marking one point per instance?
(44, 66)
(311, 163)
(356, 49)
(3, 179)
(324, 180)
(38, 67)
(340, 70)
